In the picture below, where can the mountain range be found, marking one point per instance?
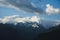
(23, 31)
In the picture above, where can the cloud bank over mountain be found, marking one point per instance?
(34, 21)
(17, 19)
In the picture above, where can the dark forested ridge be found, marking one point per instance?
(24, 32)
(19, 31)
(52, 34)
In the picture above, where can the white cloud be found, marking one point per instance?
(17, 19)
(14, 19)
(35, 18)
(35, 25)
(51, 10)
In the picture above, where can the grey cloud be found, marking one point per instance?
(24, 5)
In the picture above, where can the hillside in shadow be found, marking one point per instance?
(19, 31)
(26, 32)
(52, 34)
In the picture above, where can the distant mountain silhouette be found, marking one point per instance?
(26, 31)
(19, 32)
(7, 32)
(52, 34)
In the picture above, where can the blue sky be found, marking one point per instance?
(4, 11)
